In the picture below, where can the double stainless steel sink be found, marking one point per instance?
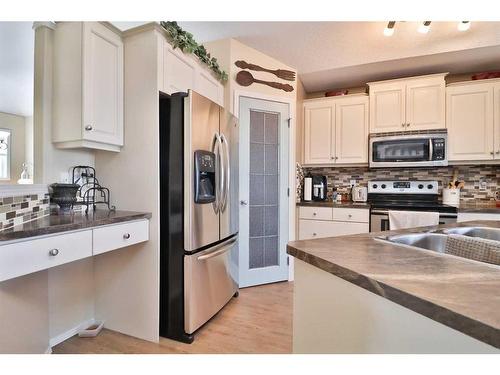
(436, 240)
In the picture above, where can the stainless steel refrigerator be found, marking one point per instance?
(198, 211)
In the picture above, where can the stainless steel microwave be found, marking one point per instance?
(408, 149)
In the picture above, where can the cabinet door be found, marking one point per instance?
(209, 86)
(425, 104)
(310, 229)
(351, 130)
(319, 133)
(179, 70)
(387, 108)
(496, 114)
(102, 85)
(469, 119)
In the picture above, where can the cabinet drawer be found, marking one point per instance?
(317, 213)
(309, 229)
(351, 214)
(22, 258)
(120, 235)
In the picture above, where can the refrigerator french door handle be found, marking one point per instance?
(227, 179)
(431, 151)
(216, 148)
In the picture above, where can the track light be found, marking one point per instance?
(389, 29)
(464, 25)
(424, 27)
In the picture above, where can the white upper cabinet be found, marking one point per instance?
(351, 130)
(87, 86)
(416, 103)
(387, 108)
(336, 130)
(472, 121)
(181, 72)
(319, 132)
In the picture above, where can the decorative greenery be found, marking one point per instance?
(183, 40)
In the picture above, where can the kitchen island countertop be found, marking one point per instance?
(459, 293)
(62, 223)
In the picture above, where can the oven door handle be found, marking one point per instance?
(379, 212)
(431, 150)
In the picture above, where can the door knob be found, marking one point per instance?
(126, 236)
(244, 203)
(88, 128)
(53, 252)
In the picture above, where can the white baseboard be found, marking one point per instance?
(69, 333)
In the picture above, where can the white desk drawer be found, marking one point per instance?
(358, 215)
(116, 236)
(315, 213)
(30, 256)
(310, 229)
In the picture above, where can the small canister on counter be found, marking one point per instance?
(451, 197)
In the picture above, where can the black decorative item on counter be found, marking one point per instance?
(64, 195)
(90, 193)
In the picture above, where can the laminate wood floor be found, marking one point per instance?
(258, 321)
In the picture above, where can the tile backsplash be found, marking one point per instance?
(23, 208)
(481, 181)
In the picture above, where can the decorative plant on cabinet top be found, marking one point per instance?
(184, 40)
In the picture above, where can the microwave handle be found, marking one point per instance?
(431, 150)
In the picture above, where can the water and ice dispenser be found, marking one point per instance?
(204, 179)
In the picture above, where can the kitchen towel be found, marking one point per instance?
(412, 219)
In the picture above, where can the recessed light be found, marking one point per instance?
(424, 27)
(464, 25)
(389, 29)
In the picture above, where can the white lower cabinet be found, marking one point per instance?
(332, 222)
(114, 237)
(470, 216)
(32, 255)
(22, 258)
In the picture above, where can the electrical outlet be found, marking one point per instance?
(353, 182)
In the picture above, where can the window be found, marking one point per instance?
(4, 154)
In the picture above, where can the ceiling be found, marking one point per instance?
(338, 54)
(16, 68)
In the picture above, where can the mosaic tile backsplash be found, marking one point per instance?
(21, 209)
(481, 181)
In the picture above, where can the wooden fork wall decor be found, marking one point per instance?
(245, 78)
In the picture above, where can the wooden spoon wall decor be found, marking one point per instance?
(280, 73)
(245, 78)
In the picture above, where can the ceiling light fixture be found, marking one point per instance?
(389, 29)
(424, 27)
(464, 25)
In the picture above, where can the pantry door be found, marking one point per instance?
(264, 140)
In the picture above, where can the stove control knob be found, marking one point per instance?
(420, 186)
(429, 186)
(374, 186)
(383, 186)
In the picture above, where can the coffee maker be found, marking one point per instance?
(319, 188)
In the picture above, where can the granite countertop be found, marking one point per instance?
(484, 207)
(63, 223)
(459, 293)
(346, 204)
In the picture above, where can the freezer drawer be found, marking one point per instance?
(208, 284)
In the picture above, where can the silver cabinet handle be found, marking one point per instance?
(88, 128)
(126, 236)
(408, 125)
(492, 153)
(332, 157)
(314, 213)
(53, 252)
(403, 125)
(244, 203)
(314, 234)
(349, 216)
(498, 152)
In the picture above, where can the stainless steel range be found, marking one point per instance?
(386, 195)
